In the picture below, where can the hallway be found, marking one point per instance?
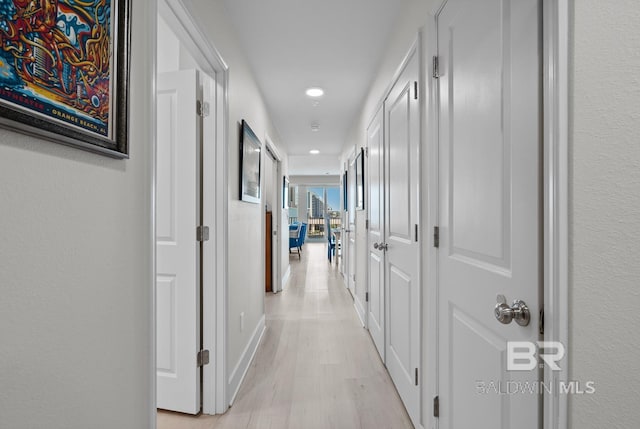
(316, 366)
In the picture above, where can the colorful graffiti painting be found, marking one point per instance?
(57, 61)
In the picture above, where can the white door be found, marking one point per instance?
(402, 259)
(360, 240)
(375, 199)
(178, 251)
(489, 208)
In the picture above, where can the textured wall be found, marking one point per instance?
(76, 274)
(605, 213)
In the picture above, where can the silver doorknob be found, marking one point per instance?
(518, 311)
(375, 245)
(383, 246)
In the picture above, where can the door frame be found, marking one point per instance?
(350, 215)
(215, 202)
(276, 220)
(555, 95)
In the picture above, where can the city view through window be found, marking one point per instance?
(322, 204)
(322, 207)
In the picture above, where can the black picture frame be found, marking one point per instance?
(75, 92)
(250, 164)
(285, 192)
(360, 201)
(345, 191)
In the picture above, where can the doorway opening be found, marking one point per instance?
(318, 207)
(273, 202)
(191, 213)
(323, 212)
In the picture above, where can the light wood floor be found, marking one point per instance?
(316, 367)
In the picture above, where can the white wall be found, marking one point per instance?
(285, 269)
(326, 180)
(413, 18)
(605, 213)
(171, 54)
(309, 165)
(76, 272)
(167, 46)
(245, 253)
(269, 196)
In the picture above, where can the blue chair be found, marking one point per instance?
(331, 246)
(303, 232)
(295, 237)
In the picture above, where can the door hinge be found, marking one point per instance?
(366, 152)
(202, 108)
(415, 90)
(541, 322)
(366, 224)
(203, 357)
(202, 233)
(366, 296)
(416, 376)
(436, 236)
(436, 68)
(416, 232)
(436, 406)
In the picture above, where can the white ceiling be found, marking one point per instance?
(294, 44)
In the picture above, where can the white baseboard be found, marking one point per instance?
(359, 311)
(242, 367)
(285, 278)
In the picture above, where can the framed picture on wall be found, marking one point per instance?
(360, 180)
(64, 72)
(285, 192)
(250, 154)
(345, 192)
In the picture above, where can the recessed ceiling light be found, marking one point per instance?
(315, 92)
(314, 151)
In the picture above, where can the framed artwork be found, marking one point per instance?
(250, 151)
(360, 180)
(64, 71)
(285, 192)
(345, 192)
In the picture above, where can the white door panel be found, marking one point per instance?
(178, 252)
(376, 301)
(489, 202)
(375, 200)
(402, 257)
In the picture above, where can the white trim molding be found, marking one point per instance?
(152, 22)
(360, 312)
(215, 212)
(429, 219)
(286, 277)
(242, 367)
(556, 197)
